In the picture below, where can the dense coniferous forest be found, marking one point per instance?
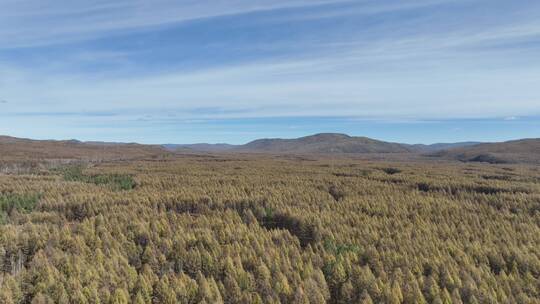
(263, 229)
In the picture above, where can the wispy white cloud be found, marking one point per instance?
(36, 22)
(338, 85)
(365, 8)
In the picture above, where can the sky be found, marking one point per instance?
(187, 71)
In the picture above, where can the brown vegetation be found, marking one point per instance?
(261, 229)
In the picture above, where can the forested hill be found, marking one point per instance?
(325, 143)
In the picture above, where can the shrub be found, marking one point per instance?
(21, 202)
(391, 171)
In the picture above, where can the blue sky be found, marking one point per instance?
(234, 70)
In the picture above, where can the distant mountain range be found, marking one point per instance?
(199, 147)
(16, 149)
(525, 150)
(323, 143)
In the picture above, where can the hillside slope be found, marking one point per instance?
(523, 150)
